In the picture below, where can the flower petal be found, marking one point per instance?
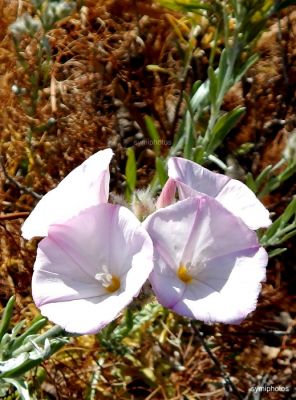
(85, 186)
(232, 194)
(227, 289)
(196, 177)
(224, 258)
(166, 287)
(217, 232)
(86, 316)
(167, 195)
(68, 260)
(242, 202)
(170, 228)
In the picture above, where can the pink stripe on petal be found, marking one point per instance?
(232, 194)
(167, 195)
(196, 177)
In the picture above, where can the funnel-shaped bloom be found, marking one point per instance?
(89, 268)
(208, 263)
(193, 180)
(85, 186)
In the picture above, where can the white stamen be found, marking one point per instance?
(110, 282)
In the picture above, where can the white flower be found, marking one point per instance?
(90, 267)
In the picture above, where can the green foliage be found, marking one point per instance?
(222, 127)
(204, 125)
(130, 173)
(269, 180)
(6, 317)
(186, 6)
(161, 171)
(282, 229)
(236, 58)
(51, 11)
(160, 167)
(21, 386)
(47, 14)
(199, 141)
(112, 337)
(22, 350)
(153, 133)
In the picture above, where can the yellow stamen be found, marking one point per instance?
(183, 274)
(113, 285)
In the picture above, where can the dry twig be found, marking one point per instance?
(17, 184)
(224, 373)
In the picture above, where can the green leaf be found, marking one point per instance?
(214, 85)
(195, 87)
(18, 366)
(276, 252)
(223, 65)
(147, 315)
(287, 236)
(161, 171)
(12, 364)
(222, 127)
(250, 182)
(275, 182)
(6, 317)
(289, 211)
(185, 7)
(280, 230)
(264, 174)
(201, 97)
(287, 173)
(130, 171)
(32, 330)
(129, 319)
(244, 68)
(188, 132)
(199, 154)
(153, 133)
(271, 231)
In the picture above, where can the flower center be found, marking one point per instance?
(183, 274)
(111, 283)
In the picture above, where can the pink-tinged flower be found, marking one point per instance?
(167, 195)
(193, 180)
(85, 186)
(88, 269)
(208, 264)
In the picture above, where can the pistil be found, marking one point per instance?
(183, 274)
